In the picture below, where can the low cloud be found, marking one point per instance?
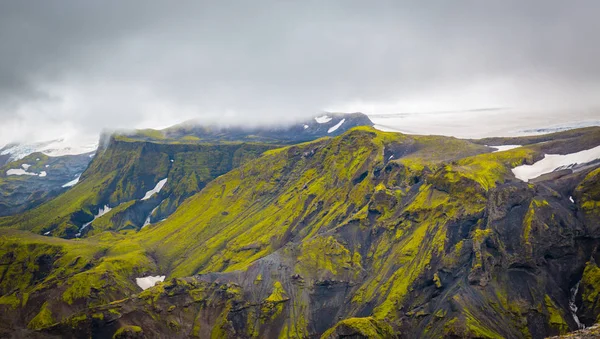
(72, 67)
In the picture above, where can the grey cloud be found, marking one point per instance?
(90, 65)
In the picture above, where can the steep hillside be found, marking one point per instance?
(368, 234)
(119, 178)
(177, 162)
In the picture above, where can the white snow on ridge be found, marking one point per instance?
(156, 189)
(102, 211)
(43, 174)
(25, 166)
(504, 147)
(332, 129)
(18, 171)
(305, 126)
(72, 182)
(552, 162)
(53, 148)
(323, 119)
(149, 281)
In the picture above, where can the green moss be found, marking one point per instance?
(588, 194)
(42, 319)
(361, 327)
(322, 255)
(555, 317)
(475, 328)
(278, 294)
(125, 331)
(76, 320)
(81, 286)
(115, 312)
(98, 316)
(530, 222)
(590, 288)
(436, 280)
(10, 300)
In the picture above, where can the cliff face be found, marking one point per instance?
(368, 234)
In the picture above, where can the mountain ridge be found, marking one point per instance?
(367, 233)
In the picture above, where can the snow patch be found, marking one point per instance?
(149, 281)
(18, 171)
(571, 199)
(72, 182)
(47, 166)
(323, 119)
(102, 211)
(147, 222)
(47, 233)
(23, 171)
(156, 189)
(334, 128)
(305, 126)
(502, 148)
(553, 162)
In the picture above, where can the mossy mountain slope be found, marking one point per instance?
(369, 234)
(121, 174)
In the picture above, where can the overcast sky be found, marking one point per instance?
(83, 66)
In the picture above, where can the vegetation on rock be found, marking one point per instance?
(368, 234)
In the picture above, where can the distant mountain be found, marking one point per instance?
(53, 148)
(37, 178)
(329, 124)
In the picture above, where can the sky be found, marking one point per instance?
(80, 67)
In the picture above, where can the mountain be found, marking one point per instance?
(110, 194)
(37, 178)
(329, 124)
(52, 148)
(33, 173)
(367, 234)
